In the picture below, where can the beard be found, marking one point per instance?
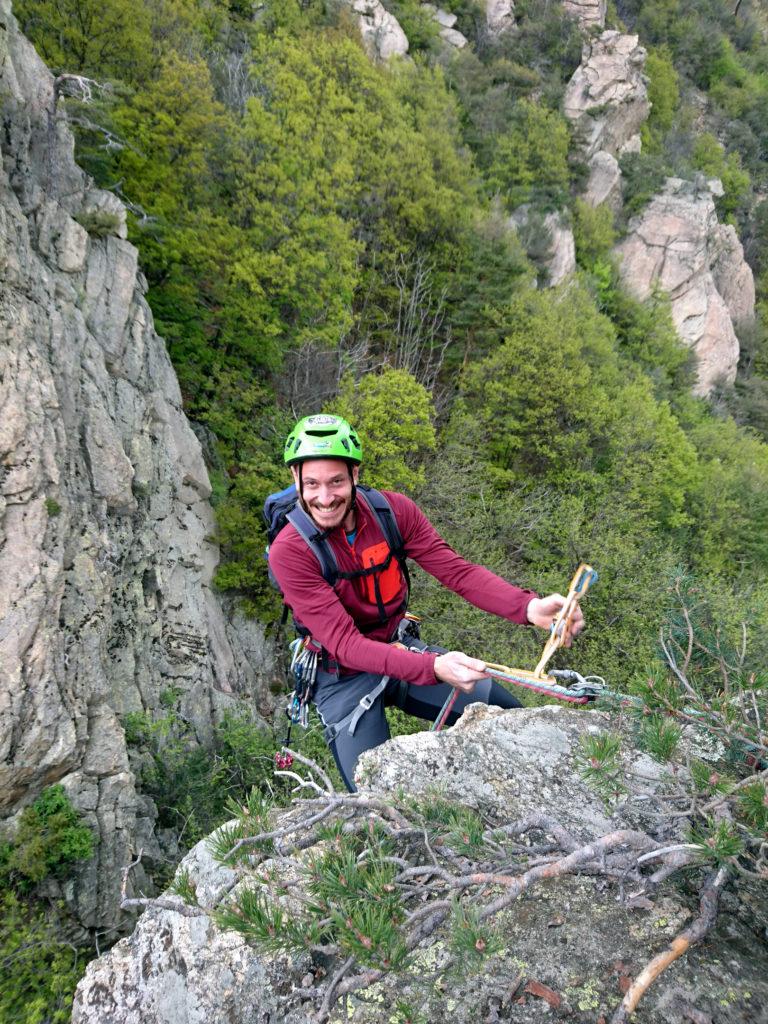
(329, 517)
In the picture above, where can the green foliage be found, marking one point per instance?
(599, 764)
(460, 827)
(49, 839)
(664, 94)
(352, 903)
(659, 736)
(719, 841)
(192, 786)
(111, 39)
(52, 507)
(393, 414)
(753, 807)
(730, 502)
(593, 233)
(420, 27)
(588, 424)
(530, 159)
(40, 970)
(184, 887)
(472, 938)
(710, 157)
(643, 176)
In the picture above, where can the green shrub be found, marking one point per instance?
(530, 159)
(710, 157)
(40, 971)
(49, 839)
(593, 233)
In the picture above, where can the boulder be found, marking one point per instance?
(565, 947)
(382, 35)
(106, 549)
(606, 99)
(677, 244)
(446, 21)
(604, 184)
(499, 15)
(443, 18)
(590, 14)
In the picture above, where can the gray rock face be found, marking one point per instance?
(590, 14)
(381, 32)
(560, 259)
(677, 244)
(106, 555)
(446, 21)
(499, 15)
(607, 99)
(568, 935)
(604, 185)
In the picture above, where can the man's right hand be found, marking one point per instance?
(459, 670)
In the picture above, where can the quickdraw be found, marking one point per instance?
(586, 688)
(304, 667)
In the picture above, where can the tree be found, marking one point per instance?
(393, 414)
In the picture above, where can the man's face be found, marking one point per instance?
(327, 490)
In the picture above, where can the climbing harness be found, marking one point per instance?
(587, 688)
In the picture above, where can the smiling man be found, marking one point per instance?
(352, 622)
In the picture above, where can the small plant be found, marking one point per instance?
(659, 736)
(52, 507)
(40, 970)
(718, 842)
(600, 765)
(472, 937)
(184, 887)
(100, 223)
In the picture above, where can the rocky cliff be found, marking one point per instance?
(106, 532)
(678, 245)
(568, 945)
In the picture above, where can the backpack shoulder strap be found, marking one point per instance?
(387, 521)
(316, 542)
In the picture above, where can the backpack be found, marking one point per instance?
(283, 507)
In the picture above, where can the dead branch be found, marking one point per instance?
(710, 896)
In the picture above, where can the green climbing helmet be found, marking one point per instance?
(323, 437)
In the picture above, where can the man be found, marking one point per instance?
(354, 622)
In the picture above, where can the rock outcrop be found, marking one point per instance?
(677, 244)
(606, 100)
(590, 14)
(567, 935)
(448, 33)
(382, 35)
(499, 15)
(549, 242)
(106, 550)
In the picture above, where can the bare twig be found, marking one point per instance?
(710, 896)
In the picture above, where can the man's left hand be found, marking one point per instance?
(542, 612)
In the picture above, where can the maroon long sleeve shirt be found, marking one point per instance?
(345, 619)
